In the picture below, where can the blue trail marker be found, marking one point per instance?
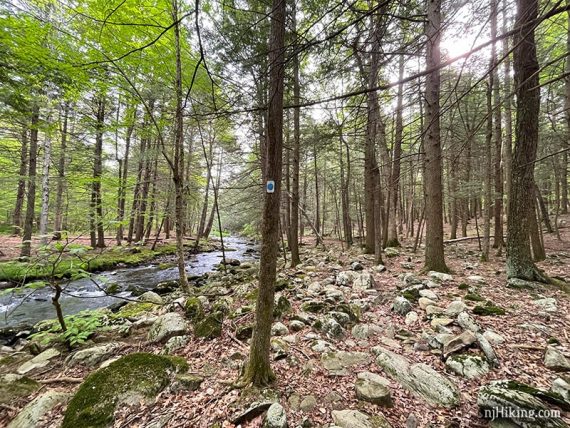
(270, 186)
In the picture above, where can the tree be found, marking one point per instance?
(433, 187)
(258, 369)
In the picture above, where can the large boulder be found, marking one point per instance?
(33, 413)
(131, 379)
(166, 326)
(276, 417)
(518, 403)
(401, 305)
(338, 362)
(210, 327)
(39, 361)
(13, 386)
(363, 281)
(420, 379)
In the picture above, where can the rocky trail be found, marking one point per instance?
(354, 345)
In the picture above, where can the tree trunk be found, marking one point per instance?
(123, 174)
(58, 222)
(317, 194)
(508, 139)
(31, 198)
(487, 194)
(97, 232)
(44, 212)
(392, 238)
(178, 170)
(17, 219)
(434, 254)
(521, 198)
(258, 370)
(564, 170)
(294, 226)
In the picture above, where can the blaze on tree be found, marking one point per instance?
(258, 370)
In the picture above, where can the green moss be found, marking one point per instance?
(112, 288)
(22, 387)
(133, 375)
(488, 309)
(313, 307)
(133, 309)
(282, 307)
(411, 294)
(244, 332)
(194, 309)
(353, 311)
(474, 297)
(281, 284)
(553, 341)
(463, 286)
(210, 327)
(7, 360)
(546, 396)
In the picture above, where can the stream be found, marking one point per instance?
(24, 307)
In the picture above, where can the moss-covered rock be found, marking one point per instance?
(474, 297)
(488, 309)
(210, 326)
(244, 332)
(131, 377)
(133, 310)
(463, 286)
(194, 309)
(13, 386)
(313, 307)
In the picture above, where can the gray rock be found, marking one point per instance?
(151, 297)
(345, 278)
(332, 328)
(469, 366)
(467, 322)
(276, 417)
(296, 325)
(424, 302)
(341, 317)
(32, 414)
(356, 266)
(500, 398)
(548, 304)
(555, 360)
(90, 357)
(521, 284)
(401, 305)
(380, 268)
(391, 252)
(356, 419)
(440, 277)
(167, 326)
(411, 318)
(429, 294)
(308, 403)
(434, 310)
(39, 361)
(437, 323)
(175, 343)
(562, 387)
(493, 338)
(279, 329)
(364, 331)
(458, 343)
(373, 388)
(476, 279)
(363, 281)
(488, 350)
(420, 379)
(455, 308)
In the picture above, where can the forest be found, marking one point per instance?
(284, 213)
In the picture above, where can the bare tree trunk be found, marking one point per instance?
(487, 194)
(564, 170)
(344, 185)
(508, 139)
(17, 219)
(258, 370)
(123, 174)
(317, 194)
(434, 253)
(543, 210)
(31, 198)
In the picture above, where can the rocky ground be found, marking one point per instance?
(354, 345)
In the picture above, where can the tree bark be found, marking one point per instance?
(31, 198)
(434, 253)
(21, 194)
(97, 232)
(44, 211)
(58, 222)
(258, 370)
(521, 198)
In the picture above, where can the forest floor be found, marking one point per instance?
(307, 386)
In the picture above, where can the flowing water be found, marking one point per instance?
(23, 308)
